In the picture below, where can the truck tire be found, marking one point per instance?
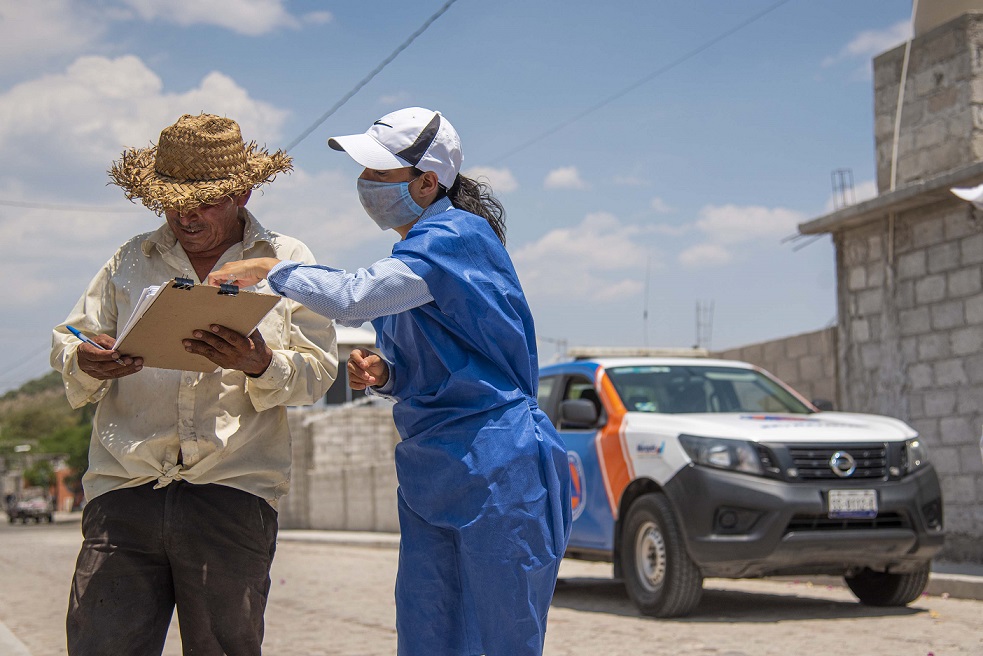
(659, 575)
(887, 589)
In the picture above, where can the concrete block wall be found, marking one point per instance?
(344, 477)
(942, 111)
(343, 473)
(807, 362)
(911, 341)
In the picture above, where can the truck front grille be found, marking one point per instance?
(812, 462)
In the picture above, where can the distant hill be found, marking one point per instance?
(47, 383)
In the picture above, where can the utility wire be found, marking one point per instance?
(689, 55)
(67, 208)
(365, 80)
(344, 99)
(30, 356)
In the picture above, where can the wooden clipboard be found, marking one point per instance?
(180, 307)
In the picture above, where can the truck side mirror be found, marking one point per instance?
(578, 413)
(823, 404)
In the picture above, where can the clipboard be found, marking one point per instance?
(167, 314)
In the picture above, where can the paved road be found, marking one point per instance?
(337, 600)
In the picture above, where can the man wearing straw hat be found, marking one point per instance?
(185, 468)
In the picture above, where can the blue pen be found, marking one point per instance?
(85, 339)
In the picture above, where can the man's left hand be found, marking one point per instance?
(230, 350)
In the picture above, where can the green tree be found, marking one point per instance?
(38, 414)
(40, 474)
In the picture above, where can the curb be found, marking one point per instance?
(940, 584)
(957, 586)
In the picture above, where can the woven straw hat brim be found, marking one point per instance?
(135, 173)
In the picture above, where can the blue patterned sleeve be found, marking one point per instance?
(387, 287)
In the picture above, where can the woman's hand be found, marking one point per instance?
(242, 273)
(366, 369)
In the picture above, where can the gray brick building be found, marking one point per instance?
(909, 264)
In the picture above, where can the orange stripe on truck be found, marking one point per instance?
(612, 453)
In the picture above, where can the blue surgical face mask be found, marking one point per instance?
(388, 203)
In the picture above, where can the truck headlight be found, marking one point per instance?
(735, 455)
(915, 455)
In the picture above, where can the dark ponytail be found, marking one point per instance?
(476, 197)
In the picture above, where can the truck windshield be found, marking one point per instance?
(693, 389)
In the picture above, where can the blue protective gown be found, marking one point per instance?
(484, 493)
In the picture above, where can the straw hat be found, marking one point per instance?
(199, 160)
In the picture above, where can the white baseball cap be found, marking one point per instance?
(408, 137)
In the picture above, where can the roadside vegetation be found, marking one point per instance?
(37, 414)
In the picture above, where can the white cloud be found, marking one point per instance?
(60, 132)
(56, 252)
(660, 206)
(705, 255)
(317, 18)
(501, 180)
(602, 259)
(35, 31)
(322, 210)
(869, 43)
(249, 17)
(727, 225)
(734, 224)
(865, 190)
(564, 178)
(98, 106)
(31, 32)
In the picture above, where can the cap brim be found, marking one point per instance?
(368, 152)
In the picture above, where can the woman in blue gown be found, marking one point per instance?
(484, 495)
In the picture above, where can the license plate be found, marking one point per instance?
(852, 503)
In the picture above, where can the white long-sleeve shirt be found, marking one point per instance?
(228, 428)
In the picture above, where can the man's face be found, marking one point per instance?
(208, 229)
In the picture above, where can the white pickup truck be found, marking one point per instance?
(685, 468)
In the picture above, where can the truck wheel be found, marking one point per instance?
(886, 589)
(659, 575)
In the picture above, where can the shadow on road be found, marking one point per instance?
(717, 605)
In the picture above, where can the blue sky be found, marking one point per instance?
(695, 174)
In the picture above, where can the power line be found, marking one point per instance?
(30, 356)
(348, 96)
(365, 80)
(689, 55)
(66, 208)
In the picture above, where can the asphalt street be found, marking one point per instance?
(332, 595)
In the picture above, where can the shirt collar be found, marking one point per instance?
(437, 207)
(163, 239)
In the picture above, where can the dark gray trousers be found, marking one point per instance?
(205, 548)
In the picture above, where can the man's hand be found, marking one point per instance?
(366, 369)
(242, 273)
(103, 365)
(230, 350)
